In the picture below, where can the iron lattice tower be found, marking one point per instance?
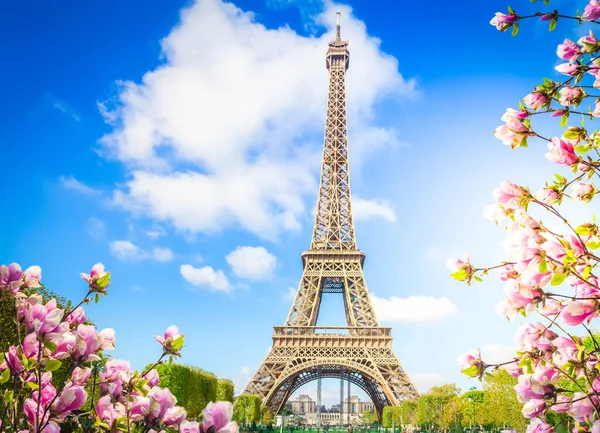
(360, 352)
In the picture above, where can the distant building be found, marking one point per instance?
(306, 408)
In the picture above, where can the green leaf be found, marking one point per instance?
(583, 230)
(9, 395)
(582, 148)
(97, 299)
(50, 346)
(459, 275)
(104, 281)
(586, 272)
(552, 25)
(478, 279)
(543, 268)
(177, 344)
(563, 122)
(557, 279)
(31, 385)
(594, 245)
(515, 30)
(471, 371)
(53, 365)
(5, 376)
(511, 11)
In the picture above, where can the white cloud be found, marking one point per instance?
(414, 309)
(69, 182)
(424, 381)
(253, 263)
(205, 276)
(95, 228)
(127, 251)
(496, 353)
(363, 209)
(217, 135)
(245, 371)
(63, 107)
(162, 254)
(156, 232)
(290, 294)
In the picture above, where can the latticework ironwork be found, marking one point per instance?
(360, 352)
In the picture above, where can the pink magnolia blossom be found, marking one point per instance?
(520, 296)
(97, 282)
(87, 343)
(582, 191)
(539, 426)
(33, 412)
(81, 375)
(561, 152)
(107, 339)
(108, 411)
(139, 407)
(562, 403)
(509, 195)
(71, 398)
(567, 68)
(546, 375)
(581, 408)
(576, 312)
(528, 388)
(568, 50)
(219, 415)
(513, 369)
(169, 339)
(570, 96)
(502, 21)
(547, 196)
(585, 41)
(14, 360)
(591, 11)
(32, 276)
(495, 213)
(533, 408)
(30, 346)
(65, 344)
(10, 278)
(189, 427)
(535, 100)
(76, 317)
(160, 401)
(513, 131)
(152, 377)
(566, 351)
(470, 360)
(174, 415)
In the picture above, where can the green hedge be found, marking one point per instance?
(225, 390)
(194, 387)
(247, 409)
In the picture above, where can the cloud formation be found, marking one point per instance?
(227, 131)
(206, 277)
(127, 251)
(253, 263)
(414, 309)
(69, 182)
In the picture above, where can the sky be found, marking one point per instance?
(178, 143)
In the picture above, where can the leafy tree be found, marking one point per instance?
(247, 409)
(431, 405)
(500, 401)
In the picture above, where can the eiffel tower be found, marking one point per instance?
(361, 352)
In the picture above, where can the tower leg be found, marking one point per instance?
(349, 411)
(319, 402)
(341, 402)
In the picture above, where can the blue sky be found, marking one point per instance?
(178, 143)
